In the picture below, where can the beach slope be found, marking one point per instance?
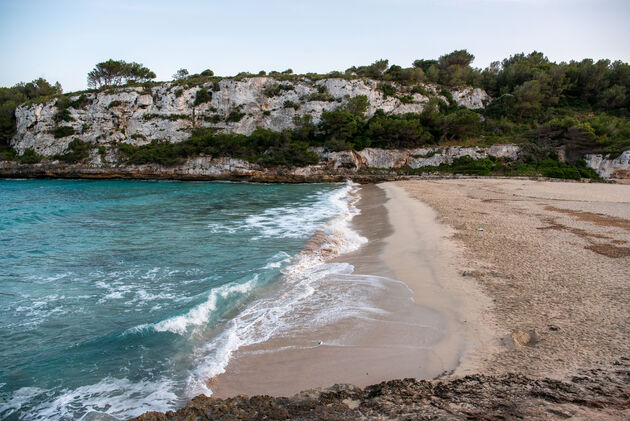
(530, 280)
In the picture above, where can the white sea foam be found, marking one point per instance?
(277, 261)
(200, 314)
(271, 315)
(120, 398)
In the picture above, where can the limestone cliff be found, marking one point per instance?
(170, 111)
(138, 115)
(609, 167)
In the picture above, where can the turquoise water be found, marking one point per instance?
(120, 297)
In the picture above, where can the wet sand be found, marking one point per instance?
(430, 326)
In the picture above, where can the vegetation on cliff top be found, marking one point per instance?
(118, 72)
(582, 106)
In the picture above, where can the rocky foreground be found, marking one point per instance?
(601, 393)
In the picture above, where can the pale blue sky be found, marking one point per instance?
(63, 40)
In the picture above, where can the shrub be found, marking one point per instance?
(114, 103)
(406, 99)
(170, 117)
(276, 89)
(77, 151)
(387, 88)
(263, 146)
(495, 166)
(461, 124)
(322, 94)
(62, 114)
(7, 153)
(290, 104)
(202, 96)
(420, 89)
(63, 131)
(212, 118)
(117, 72)
(207, 73)
(234, 116)
(384, 131)
(79, 103)
(29, 157)
(468, 165)
(155, 152)
(181, 74)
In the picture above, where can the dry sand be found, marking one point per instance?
(554, 257)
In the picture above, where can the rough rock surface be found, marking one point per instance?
(607, 167)
(599, 393)
(138, 115)
(333, 166)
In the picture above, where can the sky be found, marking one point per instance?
(62, 40)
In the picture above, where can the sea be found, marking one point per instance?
(119, 297)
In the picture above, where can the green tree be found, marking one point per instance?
(373, 71)
(614, 97)
(461, 124)
(528, 99)
(181, 74)
(117, 72)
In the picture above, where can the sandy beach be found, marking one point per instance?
(553, 258)
(509, 275)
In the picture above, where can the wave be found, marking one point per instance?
(295, 220)
(271, 315)
(121, 398)
(200, 315)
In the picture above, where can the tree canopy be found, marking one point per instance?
(118, 72)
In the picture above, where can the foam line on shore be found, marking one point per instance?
(265, 317)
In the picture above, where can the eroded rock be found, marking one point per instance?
(598, 393)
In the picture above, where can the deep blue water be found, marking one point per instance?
(113, 294)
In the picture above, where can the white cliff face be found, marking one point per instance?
(167, 112)
(473, 98)
(610, 168)
(412, 158)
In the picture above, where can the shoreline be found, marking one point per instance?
(289, 175)
(422, 292)
(551, 260)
